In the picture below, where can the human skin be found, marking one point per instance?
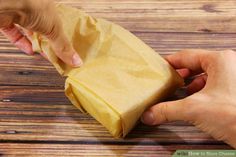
(35, 16)
(211, 105)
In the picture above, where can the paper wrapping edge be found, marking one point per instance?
(75, 94)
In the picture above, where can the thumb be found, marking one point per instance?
(64, 50)
(166, 112)
(48, 23)
(39, 16)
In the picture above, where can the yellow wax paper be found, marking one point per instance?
(121, 75)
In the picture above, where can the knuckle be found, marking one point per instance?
(164, 112)
(209, 60)
(39, 16)
(184, 51)
(228, 54)
(208, 56)
(161, 114)
(188, 110)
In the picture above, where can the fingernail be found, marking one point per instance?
(44, 55)
(28, 51)
(76, 60)
(27, 48)
(148, 118)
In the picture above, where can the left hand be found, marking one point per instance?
(36, 16)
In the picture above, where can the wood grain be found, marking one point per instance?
(22, 115)
(36, 119)
(88, 149)
(165, 15)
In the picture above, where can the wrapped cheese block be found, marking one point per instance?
(121, 75)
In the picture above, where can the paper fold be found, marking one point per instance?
(121, 75)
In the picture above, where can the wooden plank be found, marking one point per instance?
(218, 16)
(164, 43)
(38, 150)
(168, 43)
(164, 15)
(36, 116)
(32, 94)
(14, 75)
(44, 114)
(21, 69)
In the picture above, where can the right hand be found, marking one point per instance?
(36, 16)
(212, 105)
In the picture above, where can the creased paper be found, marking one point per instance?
(121, 75)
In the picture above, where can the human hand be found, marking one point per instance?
(35, 16)
(212, 105)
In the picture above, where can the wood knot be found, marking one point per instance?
(206, 30)
(6, 100)
(11, 132)
(210, 8)
(25, 73)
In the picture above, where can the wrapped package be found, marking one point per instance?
(121, 75)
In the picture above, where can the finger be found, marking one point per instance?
(184, 73)
(197, 84)
(44, 55)
(28, 33)
(16, 37)
(47, 23)
(64, 50)
(195, 60)
(165, 112)
(41, 17)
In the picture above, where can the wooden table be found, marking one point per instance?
(36, 118)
